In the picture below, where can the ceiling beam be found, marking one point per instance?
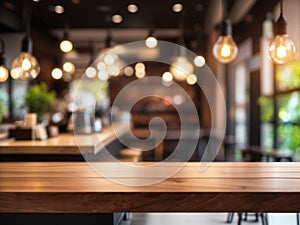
(244, 29)
(213, 16)
(82, 37)
(240, 9)
(10, 20)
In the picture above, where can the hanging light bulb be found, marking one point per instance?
(57, 73)
(181, 68)
(151, 41)
(109, 57)
(199, 61)
(3, 69)
(25, 66)
(3, 73)
(225, 49)
(66, 45)
(281, 48)
(167, 77)
(69, 67)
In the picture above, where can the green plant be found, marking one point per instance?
(2, 110)
(266, 109)
(38, 99)
(3, 104)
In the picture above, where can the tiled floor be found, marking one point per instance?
(203, 219)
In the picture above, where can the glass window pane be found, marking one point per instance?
(19, 89)
(4, 102)
(90, 92)
(289, 137)
(289, 107)
(266, 109)
(267, 135)
(241, 105)
(288, 76)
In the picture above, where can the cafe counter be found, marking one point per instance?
(75, 187)
(64, 147)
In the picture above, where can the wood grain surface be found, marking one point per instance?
(66, 143)
(222, 187)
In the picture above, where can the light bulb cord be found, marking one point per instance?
(151, 33)
(2, 60)
(108, 40)
(181, 29)
(2, 47)
(92, 52)
(281, 23)
(225, 25)
(182, 50)
(26, 45)
(225, 9)
(26, 15)
(66, 33)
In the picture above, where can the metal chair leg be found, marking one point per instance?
(298, 219)
(229, 217)
(264, 218)
(256, 217)
(240, 217)
(127, 216)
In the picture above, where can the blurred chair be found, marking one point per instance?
(263, 216)
(130, 155)
(251, 154)
(254, 154)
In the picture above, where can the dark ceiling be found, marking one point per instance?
(88, 21)
(97, 14)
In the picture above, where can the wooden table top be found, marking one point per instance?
(224, 187)
(65, 143)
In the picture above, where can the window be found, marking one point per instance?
(241, 105)
(281, 125)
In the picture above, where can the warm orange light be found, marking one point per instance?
(66, 46)
(281, 49)
(25, 67)
(57, 73)
(225, 49)
(3, 73)
(181, 68)
(151, 42)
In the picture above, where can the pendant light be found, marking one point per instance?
(25, 66)
(66, 44)
(225, 49)
(111, 61)
(69, 67)
(181, 67)
(3, 69)
(281, 47)
(151, 41)
(91, 71)
(57, 72)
